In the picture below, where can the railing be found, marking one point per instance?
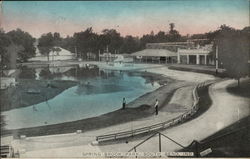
(152, 128)
(160, 135)
(6, 151)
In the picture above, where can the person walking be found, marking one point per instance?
(123, 103)
(156, 106)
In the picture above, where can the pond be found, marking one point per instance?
(97, 92)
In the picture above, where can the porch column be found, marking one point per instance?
(187, 59)
(205, 59)
(178, 58)
(197, 59)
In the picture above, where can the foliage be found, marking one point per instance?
(5, 41)
(25, 40)
(88, 41)
(130, 44)
(16, 42)
(234, 51)
(85, 41)
(48, 42)
(173, 35)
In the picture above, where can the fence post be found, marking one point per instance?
(159, 142)
(197, 148)
(135, 152)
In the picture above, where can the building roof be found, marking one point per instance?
(154, 53)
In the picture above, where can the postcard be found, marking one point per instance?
(125, 79)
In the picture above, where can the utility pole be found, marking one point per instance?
(76, 52)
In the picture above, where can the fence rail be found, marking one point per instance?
(158, 126)
(6, 151)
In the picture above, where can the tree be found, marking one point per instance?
(173, 34)
(148, 38)
(49, 43)
(5, 41)
(130, 44)
(171, 27)
(25, 40)
(160, 37)
(234, 51)
(112, 39)
(86, 41)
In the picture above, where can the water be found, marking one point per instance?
(98, 92)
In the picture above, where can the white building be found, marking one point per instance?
(6, 82)
(197, 55)
(176, 52)
(54, 56)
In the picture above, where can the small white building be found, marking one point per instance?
(63, 54)
(6, 82)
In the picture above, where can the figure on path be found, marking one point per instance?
(156, 106)
(123, 103)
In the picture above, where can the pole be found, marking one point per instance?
(196, 149)
(99, 55)
(159, 142)
(76, 52)
(216, 60)
(135, 152)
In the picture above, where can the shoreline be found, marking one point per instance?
(18, 97)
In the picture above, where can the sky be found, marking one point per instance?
(127, 17)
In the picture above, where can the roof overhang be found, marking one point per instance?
(154, 53)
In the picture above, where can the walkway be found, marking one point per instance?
(225, 110)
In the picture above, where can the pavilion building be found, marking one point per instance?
(189, 52)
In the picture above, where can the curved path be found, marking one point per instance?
(225, 110)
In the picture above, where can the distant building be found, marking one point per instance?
(91, 56)
(107, 57)
(155, 55)
(199, 55)
(189, 52)
(116, 59)
(54, 56)
(7, 82)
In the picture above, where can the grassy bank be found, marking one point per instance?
(199, 69)
(20, 96)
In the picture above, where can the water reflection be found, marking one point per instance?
(26, 72)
